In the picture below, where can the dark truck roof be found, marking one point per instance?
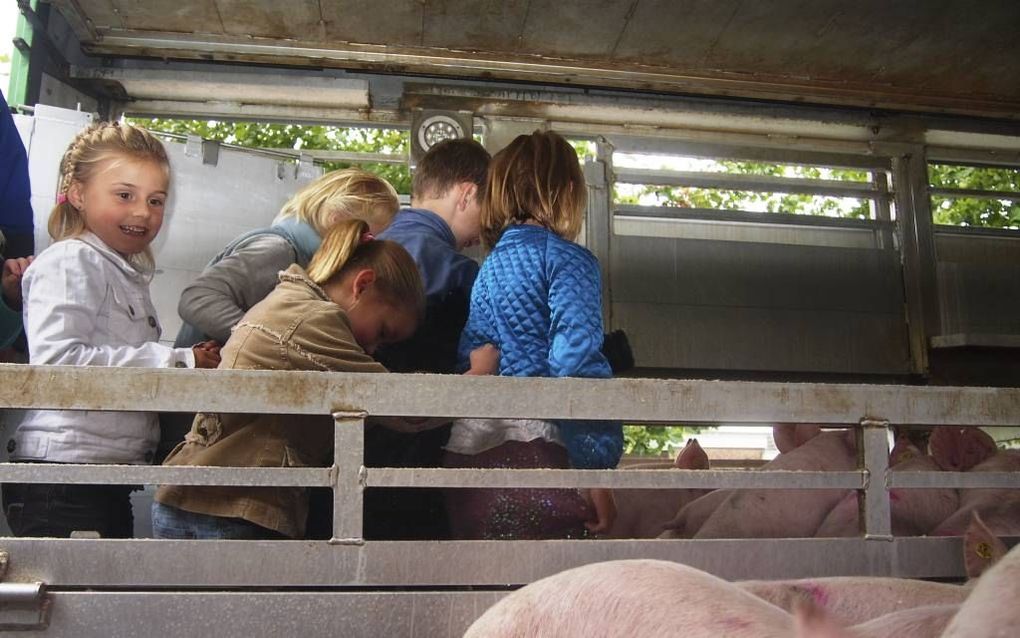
(953, 56)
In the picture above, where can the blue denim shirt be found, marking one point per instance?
(429, 240)
(447, 276)
(538, 299)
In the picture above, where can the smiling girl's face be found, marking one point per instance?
(123, 202)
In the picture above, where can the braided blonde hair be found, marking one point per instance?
(90, 147)
(349, 193)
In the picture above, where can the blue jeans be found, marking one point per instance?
(173, 523)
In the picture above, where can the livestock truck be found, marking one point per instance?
(890, 309)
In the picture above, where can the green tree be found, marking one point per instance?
(971, 211)
(773, 202)
(656, 440)
(302, 137)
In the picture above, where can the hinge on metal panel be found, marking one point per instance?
(305, 167)
(23, 606)
(208, 150)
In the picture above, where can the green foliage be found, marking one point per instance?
(970, 211)
(640, 440)
(299, 136)
(773, 202)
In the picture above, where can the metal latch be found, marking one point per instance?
(23, 606)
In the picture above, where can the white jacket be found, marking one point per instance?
(85, 305)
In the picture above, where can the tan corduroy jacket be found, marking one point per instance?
(295, 328)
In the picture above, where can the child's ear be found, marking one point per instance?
(362, 281)
(75, 195)
(468, 194)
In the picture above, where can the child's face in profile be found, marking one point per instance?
(376, 321)
(122, 202)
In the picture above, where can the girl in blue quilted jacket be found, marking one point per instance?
(538, 299)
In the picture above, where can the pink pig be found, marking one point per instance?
(632, 598)
(914, 512)
(643, 513)
(780, 513)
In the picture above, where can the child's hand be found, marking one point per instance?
(604, 504)
(206, 356)
(14, 269)
(209, 346)
(484, 360)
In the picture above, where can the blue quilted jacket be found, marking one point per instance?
(538, 299)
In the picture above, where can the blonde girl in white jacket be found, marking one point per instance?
(86, 300)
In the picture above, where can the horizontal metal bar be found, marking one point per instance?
(636, 400)
(976, 193)
(751, 217)
(763, 183)
(978, 157)
(975, 339)
(345, 156)
(785, 150)
(618, 479)
(163, 475)
(977, 231)
(969, 480)
(117, 563)
(175, 614)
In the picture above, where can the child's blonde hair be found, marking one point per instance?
(349, 193)
(87, 151)
(536, 178)
(348, 247)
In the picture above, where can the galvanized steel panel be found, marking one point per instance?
(979, 282)
(746, 338)
(117, 563)
(755, 275)
(246, 614)
(636, 400)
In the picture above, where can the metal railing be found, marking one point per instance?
(347, 559)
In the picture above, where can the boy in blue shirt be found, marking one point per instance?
(443, 219)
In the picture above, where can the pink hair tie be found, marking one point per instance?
(61, 198)
(367, 237)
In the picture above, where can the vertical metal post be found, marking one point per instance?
(873, 454)
(917, 241)
(348, 477)
(880, 209)
(599, 219)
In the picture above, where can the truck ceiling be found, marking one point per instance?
(949, 56)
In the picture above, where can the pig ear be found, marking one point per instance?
(785, 436)
(960, 448)
(811, 621)
(692, 457)
(981, 548)
(805, 432)
(903, 450)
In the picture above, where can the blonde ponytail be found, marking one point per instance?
(348, 247)
(337, 248)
